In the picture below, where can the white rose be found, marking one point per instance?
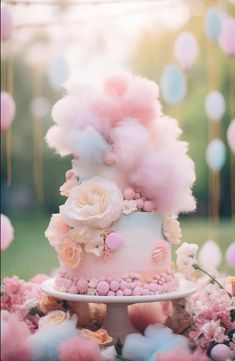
(97, 203)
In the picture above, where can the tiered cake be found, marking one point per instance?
(130, 179)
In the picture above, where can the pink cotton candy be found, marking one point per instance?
(131, 143)
(179, 355)
(166, 177)
(79, 349)
(7, 232)
(14, 345)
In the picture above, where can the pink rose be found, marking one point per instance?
(56, 230)
(69, 253)
(97, 203)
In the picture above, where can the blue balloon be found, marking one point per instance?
(172, 84)
(58, 72)
(215, 154)
(212, 23)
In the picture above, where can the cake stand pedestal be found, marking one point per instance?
(116, 321)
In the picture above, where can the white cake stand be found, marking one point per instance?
(116, 321)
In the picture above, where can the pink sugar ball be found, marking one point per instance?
(127, 292)
(7, 110)
(82, 285)
(231, 135)
(227, 36)
(140, 203)
(129, 193)
(109, 159)
(230, 255)
(145, 292)
(7, 232)
(221, 352)
(137, 291)
(123, 285)
(114, 285)
(73, 289)
(6, 23)
(102, 288)
(114, 241)
(111, 293)
(119, 293)
(149, 206)
(69, 174)
(137, 195)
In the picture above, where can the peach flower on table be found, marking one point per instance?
(172, 230)
(49, 303)
(56, 317)
(96, 203)
(101, 336)
(69, 253)
(56, 230)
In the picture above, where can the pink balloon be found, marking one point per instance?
(185, 49)
(227, 36)
(230, 255)
(6, 23)
(7, 110)
(7, 232)
(231, 135)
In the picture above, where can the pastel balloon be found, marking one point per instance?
(40, 106)
(210, 255)
(6, 23)
(215, 105)
(186, 49)
(212, 23)
(230, 255)
(215, 155)
(7, 232)
(231, 135)
(7, 110)
(227, 36)
(221, 352)
(58, 72)
(172, 84)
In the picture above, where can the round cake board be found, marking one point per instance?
(117, 322)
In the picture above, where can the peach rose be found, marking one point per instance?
(101, 336)
(66, 187)
(172, 230)
(97, 203)
(56, 230)
(54, 318)
(69, 253)
(49, 303)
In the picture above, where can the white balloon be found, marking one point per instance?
(215, 105)
(185, 49)
(210, 255)
(58, 72)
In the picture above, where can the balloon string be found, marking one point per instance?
(9, 88)
(37, 135)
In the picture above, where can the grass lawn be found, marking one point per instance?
(30, 253)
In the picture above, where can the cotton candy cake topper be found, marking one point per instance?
(117, 130)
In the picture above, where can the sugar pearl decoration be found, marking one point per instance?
(140, 203)
(129, 193)
(114, 285)
(114, 241)
(102, 288)
(82, 286)
(221, 352)
(137, 291)
(119, 293)
(127, 292)
(149, 206)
